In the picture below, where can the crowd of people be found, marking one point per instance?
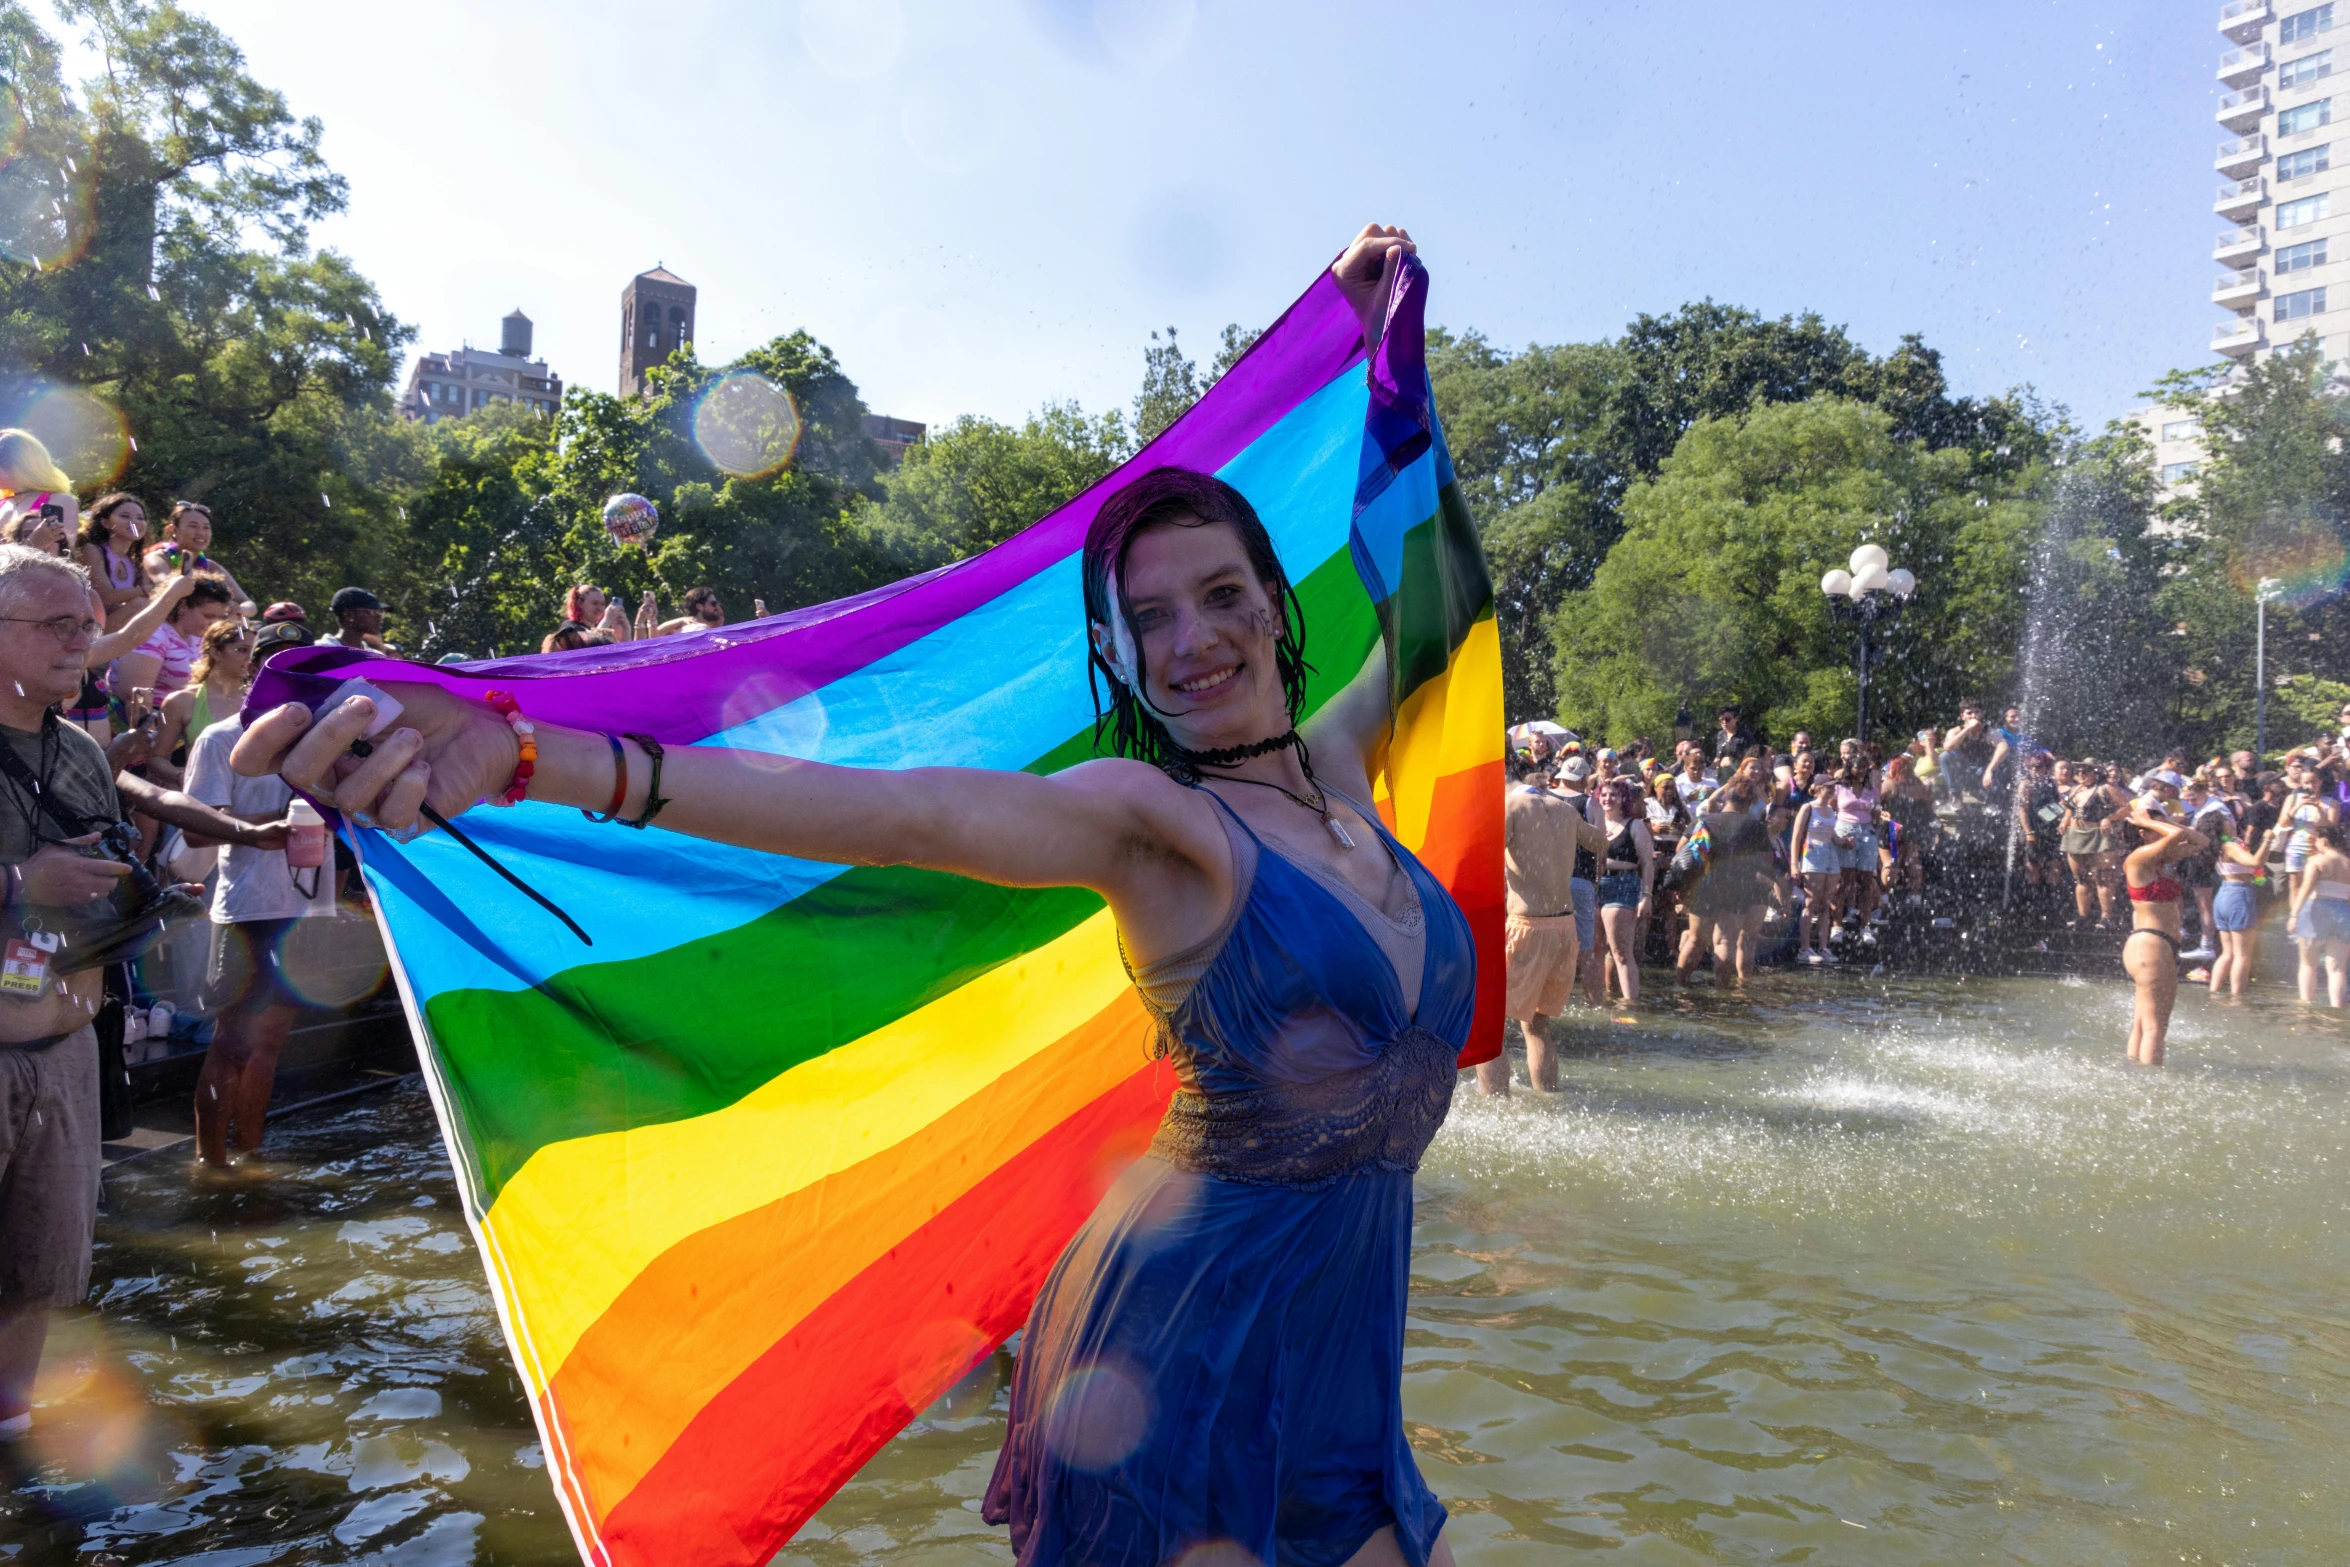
(1721, 848)
(124, 660)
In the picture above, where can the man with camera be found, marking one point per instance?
(56, 883)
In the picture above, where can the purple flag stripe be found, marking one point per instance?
(684, 688)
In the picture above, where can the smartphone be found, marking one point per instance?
(387, 706)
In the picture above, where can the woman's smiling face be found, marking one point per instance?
(1206, 628)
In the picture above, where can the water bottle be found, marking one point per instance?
(306, 844)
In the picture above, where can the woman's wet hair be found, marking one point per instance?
(1180, 498)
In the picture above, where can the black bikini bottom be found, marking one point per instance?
(2163, 936)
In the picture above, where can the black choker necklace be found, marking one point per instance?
(1234, 755)
(1187, 765)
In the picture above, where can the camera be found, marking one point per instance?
(52, 512)
(127, 920)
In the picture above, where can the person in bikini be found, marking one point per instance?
(2150, 953)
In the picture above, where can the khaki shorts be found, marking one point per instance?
(1543, 950)
(48, 1171)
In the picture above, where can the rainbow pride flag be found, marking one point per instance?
(791, 1147)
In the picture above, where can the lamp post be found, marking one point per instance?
(2270, 588)
(1873, 592)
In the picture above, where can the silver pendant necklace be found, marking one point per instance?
(1320, 807)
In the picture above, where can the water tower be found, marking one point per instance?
(514, 336)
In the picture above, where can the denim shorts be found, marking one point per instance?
(1586, 912)
(2234, 907)
(1821, 859)
(1859, 853)
(1619, 890)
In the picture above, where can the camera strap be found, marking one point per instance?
(36, 788)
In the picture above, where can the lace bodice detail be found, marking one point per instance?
(1301, 1058)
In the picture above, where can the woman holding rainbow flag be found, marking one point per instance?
(1215, 1364)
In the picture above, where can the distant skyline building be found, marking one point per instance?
(2283, 239)
(656, 320)
(446, 386)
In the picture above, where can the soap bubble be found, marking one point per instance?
(746, 424)
(631, 519)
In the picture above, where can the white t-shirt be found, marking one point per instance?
(255, 884)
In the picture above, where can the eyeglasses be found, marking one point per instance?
(63, 627)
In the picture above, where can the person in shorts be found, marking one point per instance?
(259, 899)
(1543, 834)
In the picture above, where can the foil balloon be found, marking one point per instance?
(631, 519)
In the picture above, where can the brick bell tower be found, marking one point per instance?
(656, 319)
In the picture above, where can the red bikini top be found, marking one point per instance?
(2163, 891)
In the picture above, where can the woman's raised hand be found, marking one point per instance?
(444, 751)
(1366, 274)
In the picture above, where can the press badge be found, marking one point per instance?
(24, 969)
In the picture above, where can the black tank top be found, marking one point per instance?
(1586, 863)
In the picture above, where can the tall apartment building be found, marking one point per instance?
(444, 386)
(2277, 107)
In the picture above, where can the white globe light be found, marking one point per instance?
(1869, 555)
(1871, 579)
(1836, 584)
(1902, 581)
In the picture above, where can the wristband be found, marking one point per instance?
(653, 800)
(527, 762)
(619, 783)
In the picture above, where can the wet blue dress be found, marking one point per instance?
(1218, 1356)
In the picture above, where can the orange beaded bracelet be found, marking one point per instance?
(527, 735)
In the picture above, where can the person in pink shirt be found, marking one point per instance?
(163, 661)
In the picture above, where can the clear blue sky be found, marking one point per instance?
(985, 204)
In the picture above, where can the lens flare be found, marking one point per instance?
(2302, 561)
(331, 962)
(747, 425)
(47, 213)
(1099, 1416)
(90, 438)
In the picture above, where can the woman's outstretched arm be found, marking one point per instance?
(1121, 828)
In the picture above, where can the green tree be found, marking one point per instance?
(1170, 385)
(977, 482)
(2269, 508)
(1525, 432)
(172, 283)
(1712, 594)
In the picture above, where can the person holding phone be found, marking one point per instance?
(107, 546)
(187, 534)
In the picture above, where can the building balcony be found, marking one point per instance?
(2242, 156)
(2239, 199)
(2238, 339)
(2242, 20)
(2242, 67)
(2238, 246)
(2237, 290)
(2241, 111)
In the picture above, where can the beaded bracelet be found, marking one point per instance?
(527, 762)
